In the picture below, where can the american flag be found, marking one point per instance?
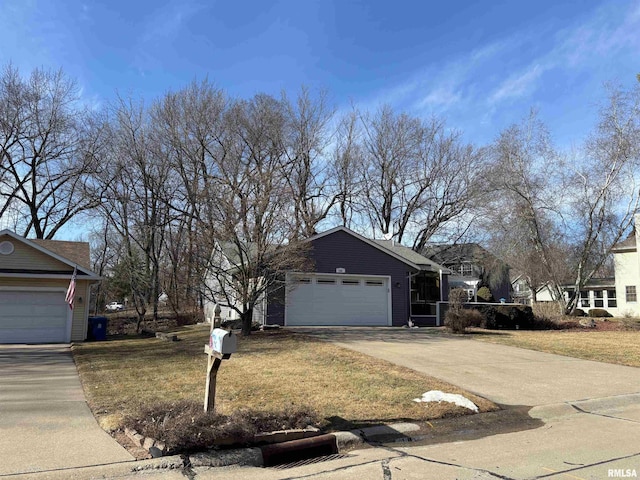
(71, 291)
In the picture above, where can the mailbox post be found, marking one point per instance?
(221, 345)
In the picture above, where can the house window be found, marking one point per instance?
(630, 292)
(465, 269)
(598, 298)
(611, 299)
(584, 298)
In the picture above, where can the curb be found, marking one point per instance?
(596, 405)
(275, 453)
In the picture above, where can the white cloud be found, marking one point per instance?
(518, 84)
(514, 68)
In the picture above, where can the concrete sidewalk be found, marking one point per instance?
(44, 419)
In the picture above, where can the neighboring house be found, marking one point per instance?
(627, 270)
(226, 256)
(596, 293)
(472, 267)
(520, 290)
(34, 277)
(357, 281)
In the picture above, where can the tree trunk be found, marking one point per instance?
(139, 323)
(247, 318)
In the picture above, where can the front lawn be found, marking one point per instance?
(271, 371)
(611, 346)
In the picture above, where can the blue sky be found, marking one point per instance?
(480, 64)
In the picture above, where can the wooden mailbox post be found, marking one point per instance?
(221, 345)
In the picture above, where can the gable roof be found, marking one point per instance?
(457, 253)
(79, 251)
(627, 245)
(399, 252)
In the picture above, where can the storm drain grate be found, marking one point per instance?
(311, 461)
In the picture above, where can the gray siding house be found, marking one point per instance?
(359, 281)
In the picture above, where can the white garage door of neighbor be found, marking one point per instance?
(33, 317)
(338, 300)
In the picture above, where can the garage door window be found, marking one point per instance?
(326, 281)
(351, 282)
(374, 283)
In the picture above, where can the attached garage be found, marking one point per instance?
(34, 317)
(356, 281)
(317, 299)
(34, 277)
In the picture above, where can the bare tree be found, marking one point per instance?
(49, 146)
(561, 215)
(344, 168)
(602, 192)
(251, 203)
(189, 126)
(418, 177)
(306, 138)
(390, 145)
(138, 185)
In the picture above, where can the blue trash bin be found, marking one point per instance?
(97, 328)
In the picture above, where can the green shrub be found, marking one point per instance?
(599, 313)
(484, 294)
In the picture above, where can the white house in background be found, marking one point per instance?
(226, 256)
(597, 293)
(619, 295)
(627, 266)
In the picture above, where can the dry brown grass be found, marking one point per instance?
(620, 347)
(271, 371)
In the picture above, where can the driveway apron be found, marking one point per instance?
(45, 423)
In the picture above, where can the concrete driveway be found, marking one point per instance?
(505, 375)
(45, 423)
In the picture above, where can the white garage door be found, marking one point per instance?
(33, 317)
(338, 300)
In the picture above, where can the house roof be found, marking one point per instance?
(399, 252)
(604, 282)
(233, 253)
(73, 254)
(459, 252)
(410, 255)
(627, 245)
(77, 252)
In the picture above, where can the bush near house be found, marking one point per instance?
(578, 312)
(507, 317)
(459, 321)
(599, 313)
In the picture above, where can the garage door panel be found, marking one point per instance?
(339, 301)
(33, 317)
